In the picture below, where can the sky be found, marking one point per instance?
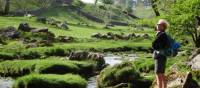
(88, 1)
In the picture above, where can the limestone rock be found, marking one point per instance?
(179, 80)
(195, 63)
(24, 27)
(10, 32)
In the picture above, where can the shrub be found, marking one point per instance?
(50, 81)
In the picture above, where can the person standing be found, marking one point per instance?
(159, 45)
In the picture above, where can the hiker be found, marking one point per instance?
(160, 43)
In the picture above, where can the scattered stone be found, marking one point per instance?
(10, 32)
(62, 26)
(52, 21)
(96, 35)
(65, 39)
(145, 36)
(89, 56)
(24, 27)
(121, 36)
(29, 15)
(40, 30)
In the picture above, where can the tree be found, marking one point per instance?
(24, 5)
(4, 7)
(7, 7)
(155, 7)
(107, 5)
(185, 19)
(95, 3)
(42, 3)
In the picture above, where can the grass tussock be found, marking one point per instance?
(50, 81)
(22, 67)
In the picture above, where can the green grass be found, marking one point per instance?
(125, 72)
(82, 35)
(50, 81)
(48, 66)
(122, 73)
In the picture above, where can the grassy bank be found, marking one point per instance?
(49, 66)
(50, 81)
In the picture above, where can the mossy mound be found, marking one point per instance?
(120, 74)
(53, 66)
(50, 81)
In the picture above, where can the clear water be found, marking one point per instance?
(111, 60)
(6, 82)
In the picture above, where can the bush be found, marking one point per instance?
(50, 81)
(23, 67)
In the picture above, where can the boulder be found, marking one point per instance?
(65, 39)
(62, 26)
(42, 20)
(195, 53)
(96, 35)
(10, 32)
(24, 27)
(40, 30)
(52, 21)
(179, 80)
(78, 55)
(195, 63)
(145, 36)
(99, 58)
(132, 35)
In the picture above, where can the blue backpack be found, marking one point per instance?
(172, 50)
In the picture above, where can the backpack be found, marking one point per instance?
(172, 50)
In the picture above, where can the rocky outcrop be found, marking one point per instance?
(99, 58)
(121, 36)
(9, 32)
(195, 63)
(195, 60)
(179, 80)
(65, 39)
(53, 22)
(24, 27)
(194, 53)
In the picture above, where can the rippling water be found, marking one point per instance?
(111, 60)
(6, 82)
(92, 82)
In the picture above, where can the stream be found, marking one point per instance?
(6, 82)
(110, 59)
